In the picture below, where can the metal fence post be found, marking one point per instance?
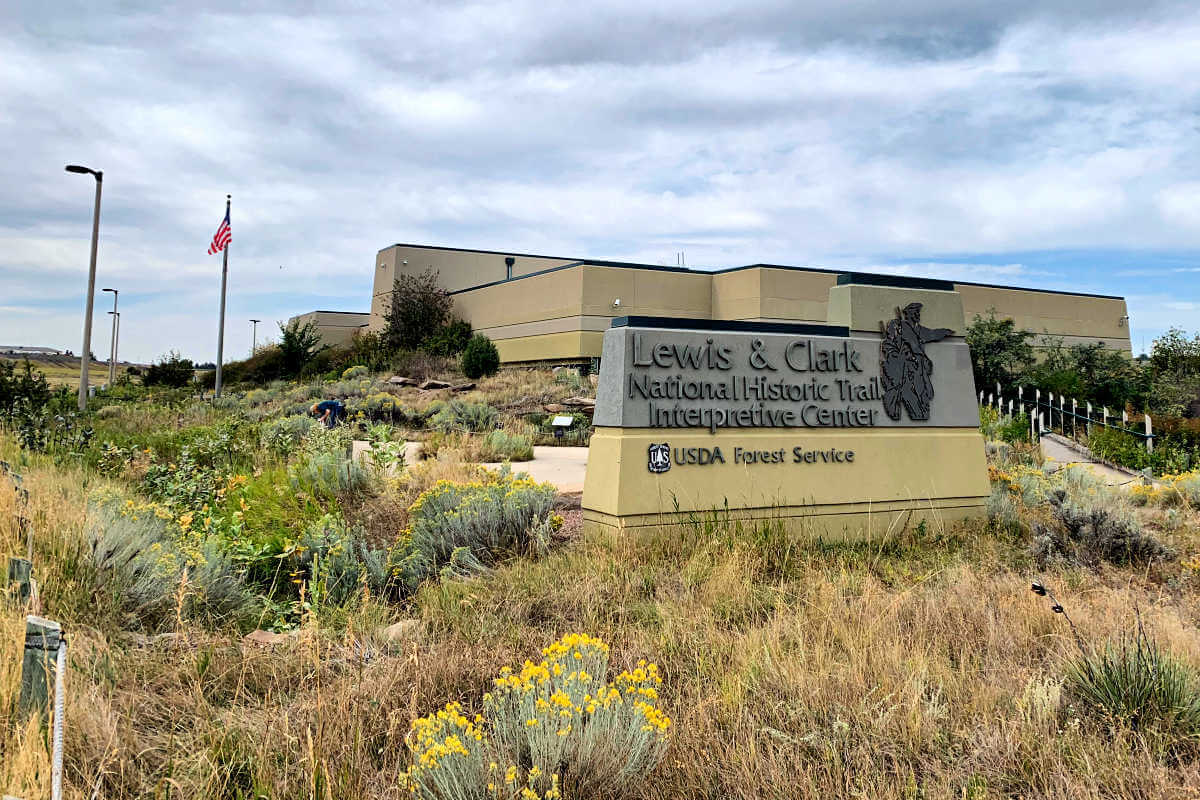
(1074, 414)
(1104, 419)
(1124, 419)
(1149, 435)
(1089, 422)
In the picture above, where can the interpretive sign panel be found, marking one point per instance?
(755, 375)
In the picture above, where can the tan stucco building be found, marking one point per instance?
(336, 327)
(544, 308)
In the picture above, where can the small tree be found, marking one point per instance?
(420, 306)
(480, 357)
(171, 371)
(1174, 368)
(1000, 352)
(298, 344)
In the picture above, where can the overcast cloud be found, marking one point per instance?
(1056, 148)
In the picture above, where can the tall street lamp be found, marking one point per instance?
(85, 356)
(116, 315)
(254, 335)
(112, 348)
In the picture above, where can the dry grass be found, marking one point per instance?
(64, 370)
(920, 667)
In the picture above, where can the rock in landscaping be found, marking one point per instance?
(554, 408)
(580, 402)
(265, 638)
(400, 380)
(399, 632)
(462, 387)
(432, 384)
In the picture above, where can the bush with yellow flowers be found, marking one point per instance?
(550, 730)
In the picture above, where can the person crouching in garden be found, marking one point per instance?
(329, 412)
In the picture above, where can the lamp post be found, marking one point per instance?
(254, 335)
(86, 356)
(116, 315)
(112, 347)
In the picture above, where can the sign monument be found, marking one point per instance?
(846, 429)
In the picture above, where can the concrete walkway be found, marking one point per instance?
(1059, 454)
(564, 467)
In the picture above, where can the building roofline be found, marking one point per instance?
(689, 270)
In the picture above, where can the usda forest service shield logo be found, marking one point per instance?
(659, 458)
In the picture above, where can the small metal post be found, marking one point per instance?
(981, 397)
(1124, 419)
(1089, 422)
(1074, 412)
(1149, 435)
(1104, 417)
(42, 640)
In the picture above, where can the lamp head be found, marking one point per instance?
(81, 170)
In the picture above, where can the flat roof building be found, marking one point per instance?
(545, 308)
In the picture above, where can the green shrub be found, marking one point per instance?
(449, 340)
(468, 527)
(499, 445)
(171, 370)
(357, 371)
(282, 436)
(1134, 682)
(327, 474)
(339, 563)
(1094, 527)
(480, 357)
(142, 564)
(459, 415)
(1118, 447)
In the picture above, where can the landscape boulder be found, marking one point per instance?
(400, 380)
(462, 387)
(432, 384)
(399, 632)
(266, 638)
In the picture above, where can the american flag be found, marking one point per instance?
(221, 237)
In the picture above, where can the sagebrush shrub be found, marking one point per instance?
(553, 729)
(142, 554)
(1092, 530)
(473, 525)
(282, 436)
(325, 474)
(459, 415)
(499, 445)
(357, 371)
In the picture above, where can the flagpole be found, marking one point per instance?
(221, 325)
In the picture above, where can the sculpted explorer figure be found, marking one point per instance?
(904, 369)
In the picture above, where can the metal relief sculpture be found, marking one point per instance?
(905, 372)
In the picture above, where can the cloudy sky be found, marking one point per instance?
(1058, 148)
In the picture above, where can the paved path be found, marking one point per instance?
(1059, 455)
(562, 466)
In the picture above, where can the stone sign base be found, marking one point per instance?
(834, 483)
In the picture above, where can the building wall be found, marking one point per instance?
(335, 327)
(557, 308)
(457, 269)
